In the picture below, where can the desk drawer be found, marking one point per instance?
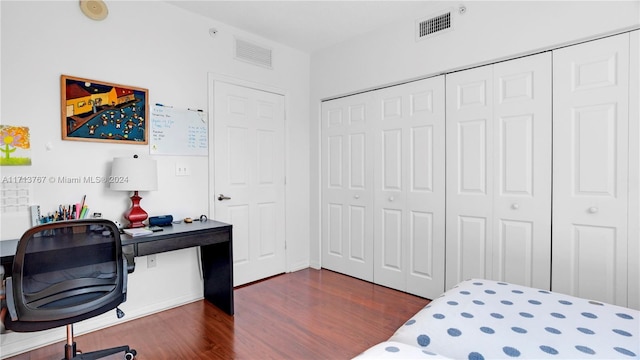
(182, 242)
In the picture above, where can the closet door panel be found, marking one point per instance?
(522, 171)
(409, 187)
(422, 159)
(357, 170)
(392, 160)
(347, 200)
(499, 172)
(593, 258)
(425, 189)
(334, 226)
(389, 268)
(515, 157)
(469, 157)
(389, 181)
(391, 250)
(515, 257)
(634, 172)
(358, 233)
(472, 148)
(421, 241)
(591, 149)
(472, 242)
(334, 147)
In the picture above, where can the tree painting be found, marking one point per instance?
(14, 146)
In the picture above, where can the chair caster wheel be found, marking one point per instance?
(131, 355)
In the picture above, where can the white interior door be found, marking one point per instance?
(347, 183)
(409, 187)
(590, 171)
(249, 177)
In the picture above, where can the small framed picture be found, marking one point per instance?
(95, 110)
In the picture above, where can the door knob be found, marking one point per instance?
(357, 197)
(391, 198)
(593, 210)
(515, 206)
(222, 197)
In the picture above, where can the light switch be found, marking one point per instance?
(182, 170)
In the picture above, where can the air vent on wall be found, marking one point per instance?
(254, 54)
(433, 25)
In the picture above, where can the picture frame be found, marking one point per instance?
(100, 111)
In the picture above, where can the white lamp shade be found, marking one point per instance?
(134, 174)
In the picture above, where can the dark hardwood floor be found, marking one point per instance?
(308, 314)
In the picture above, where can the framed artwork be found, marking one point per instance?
(15, 146)
(95, 110)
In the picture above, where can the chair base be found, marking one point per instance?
(72, 354)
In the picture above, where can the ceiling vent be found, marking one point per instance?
(434, 25)
(254, 54)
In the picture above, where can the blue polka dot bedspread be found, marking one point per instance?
(484, 319)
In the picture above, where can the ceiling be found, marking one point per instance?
(311, 25)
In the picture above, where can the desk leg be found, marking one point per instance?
(217, 269)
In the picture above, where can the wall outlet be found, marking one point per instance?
(182, 170)
(151, 261)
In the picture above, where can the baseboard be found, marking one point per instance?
(13, 343)
(298, 266)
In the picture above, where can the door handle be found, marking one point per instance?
(222, 197)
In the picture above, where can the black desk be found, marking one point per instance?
(213, 237)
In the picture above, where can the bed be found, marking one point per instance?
(484, 319)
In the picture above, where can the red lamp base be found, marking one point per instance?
(136, 215)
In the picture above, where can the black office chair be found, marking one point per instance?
(65, 272)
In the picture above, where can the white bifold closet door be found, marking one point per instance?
(409, 187)
(347, 186)
(591, 163)
(383, 186)
(499, 172)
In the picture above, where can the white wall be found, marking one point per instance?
(149, 44)
(487, 32)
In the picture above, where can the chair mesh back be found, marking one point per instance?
(68, 269)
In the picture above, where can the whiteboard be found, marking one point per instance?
(178, 132)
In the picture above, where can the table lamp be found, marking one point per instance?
(134, 174)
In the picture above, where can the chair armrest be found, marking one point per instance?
(130, 262)
(11, 305)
